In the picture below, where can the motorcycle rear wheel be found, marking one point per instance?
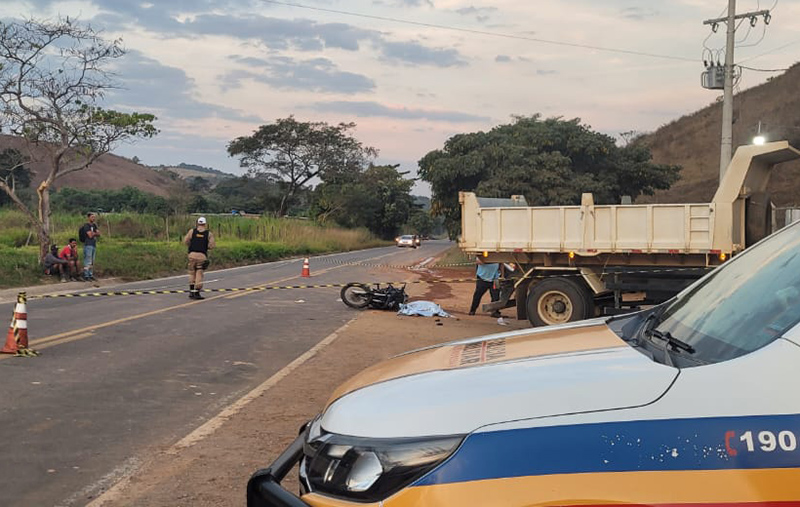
(356, 295)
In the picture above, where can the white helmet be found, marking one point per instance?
(201, 221)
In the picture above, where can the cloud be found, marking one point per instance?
(509, 59)
(638, 13)
(280, 34)
(234, 79)
(412, 3)
(367, 109)
(306, 35)
(480, 13)
(417, 54)
(315, 74)
(167, 91)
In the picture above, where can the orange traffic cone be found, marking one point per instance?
(306, 272)
(17, 338)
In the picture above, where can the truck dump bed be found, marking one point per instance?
(587, 228)
(590, 230)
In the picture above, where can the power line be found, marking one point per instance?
(756, 43)
(772, 50)
(762, 70)
(482, 32)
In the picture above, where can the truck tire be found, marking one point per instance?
(557, 301)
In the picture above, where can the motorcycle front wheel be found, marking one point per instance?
(356, 295)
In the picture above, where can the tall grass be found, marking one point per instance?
(19, 266)
(145, 246)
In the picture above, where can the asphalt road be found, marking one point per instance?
(123, 377)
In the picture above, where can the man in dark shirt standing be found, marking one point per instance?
(199, 240)
(487, 275)
(88, 235)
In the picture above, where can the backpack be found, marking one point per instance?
(82, 234)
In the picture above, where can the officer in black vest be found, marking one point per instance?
(199, 240)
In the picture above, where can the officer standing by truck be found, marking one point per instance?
(199, 240)
(487, 275)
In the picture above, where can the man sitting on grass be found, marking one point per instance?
(70, 254)
(53, 265)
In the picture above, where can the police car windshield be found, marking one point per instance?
(743, 305)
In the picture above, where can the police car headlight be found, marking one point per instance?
(370, 469)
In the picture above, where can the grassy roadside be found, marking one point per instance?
(138, 247)
(454, 256)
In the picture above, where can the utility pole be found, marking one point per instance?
(726, 143)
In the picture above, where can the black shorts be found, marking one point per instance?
(52, 271)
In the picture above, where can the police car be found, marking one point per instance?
(693, 402)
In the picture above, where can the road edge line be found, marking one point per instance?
(209, 427)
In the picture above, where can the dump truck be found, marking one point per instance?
(577, 262)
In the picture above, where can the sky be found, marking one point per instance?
(412, 73)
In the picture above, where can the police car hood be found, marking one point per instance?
(458, 387)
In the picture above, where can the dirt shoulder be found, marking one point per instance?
(212, 470)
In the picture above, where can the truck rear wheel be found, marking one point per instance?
(557, 301)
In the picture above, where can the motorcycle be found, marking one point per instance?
(359, 295)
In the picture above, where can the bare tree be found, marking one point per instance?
(53, 77)
(13, 173)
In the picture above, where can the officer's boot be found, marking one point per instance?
(197, 294)
(192, 292)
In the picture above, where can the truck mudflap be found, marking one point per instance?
(264, 487)
(507, 287)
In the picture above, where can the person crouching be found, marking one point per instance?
(199, 240)
(53, 265)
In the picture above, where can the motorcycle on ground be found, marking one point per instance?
(360, 295)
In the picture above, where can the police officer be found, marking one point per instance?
(199, 240)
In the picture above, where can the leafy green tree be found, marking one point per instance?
(421, 223)
(549, 161)
(296, 152)
(199, 184)
(342, 200)
(131, 199)
(378, 199)
(390, 196)
(198, 204)
(53, 78)
(245, 193)
(179, 197)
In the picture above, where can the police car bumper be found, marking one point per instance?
(339, 470)
(264, 487)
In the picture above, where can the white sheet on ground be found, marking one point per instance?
(423, 309)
